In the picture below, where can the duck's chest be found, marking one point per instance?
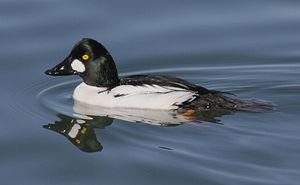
(142, 97)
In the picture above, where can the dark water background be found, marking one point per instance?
(250, 48)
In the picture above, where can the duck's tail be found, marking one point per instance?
(222, 101)
(252, 105)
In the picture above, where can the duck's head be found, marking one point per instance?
(91, 61)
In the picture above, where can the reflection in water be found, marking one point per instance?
(79, 129)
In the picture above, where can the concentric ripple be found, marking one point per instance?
(58, 97)
(51, 98)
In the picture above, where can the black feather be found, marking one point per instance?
(160, 80)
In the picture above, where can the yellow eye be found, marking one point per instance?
(85, 57)
(77, 141)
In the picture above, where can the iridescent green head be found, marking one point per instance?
(91, 61)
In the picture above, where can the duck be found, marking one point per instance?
(102, 86)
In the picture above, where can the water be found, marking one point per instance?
(249, 48)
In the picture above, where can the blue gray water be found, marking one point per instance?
(249, 48)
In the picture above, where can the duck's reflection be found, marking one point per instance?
(79, 129)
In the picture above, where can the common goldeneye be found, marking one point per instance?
(102, 86)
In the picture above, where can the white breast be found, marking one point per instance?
(129, 96)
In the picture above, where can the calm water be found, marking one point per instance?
(249, 48)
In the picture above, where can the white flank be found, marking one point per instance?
(78, 66)
(129, 96)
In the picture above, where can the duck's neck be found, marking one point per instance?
(101, 73)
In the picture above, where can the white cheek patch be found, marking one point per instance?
(78, 66)
(74, 130)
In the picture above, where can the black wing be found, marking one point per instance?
(140, 80)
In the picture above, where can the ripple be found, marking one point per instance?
(57, 98)
(249, 68)
(188, 144)
(43, 98)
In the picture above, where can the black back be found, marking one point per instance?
(140, 80)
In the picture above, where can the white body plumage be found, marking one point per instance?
(131, 96)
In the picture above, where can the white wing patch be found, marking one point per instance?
(78, 66)
(142, 97)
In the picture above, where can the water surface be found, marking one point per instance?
(249, 48)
